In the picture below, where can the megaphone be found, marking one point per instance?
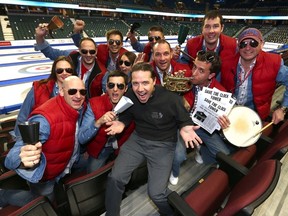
(55, 23)
(182, 34)
(133, 27)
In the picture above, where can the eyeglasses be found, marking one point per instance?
(61, 70)
(73, 91)
(151, 38)
(252, 43)
(127, 63)
(91, 52)
(111, 42)
(120, 86)
(209, 57)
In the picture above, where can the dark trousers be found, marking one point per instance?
(159, 156)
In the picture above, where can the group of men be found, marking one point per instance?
(241, 68)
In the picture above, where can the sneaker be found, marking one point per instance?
(173, 180)
(198, 157)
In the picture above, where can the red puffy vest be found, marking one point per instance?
(101, 105)
(263, 79)
(228, 47)
(42, 92)
(59, 147)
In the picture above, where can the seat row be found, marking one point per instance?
(241, 182)
(237, 175)
(6, 140)
(77, 194)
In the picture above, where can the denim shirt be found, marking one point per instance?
(87, 129)
(13, 160)
(243, 92)
(50, 52)
(26, 108)
(139, 47)
(282, 78)
(104, 81)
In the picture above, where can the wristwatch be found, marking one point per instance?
(284, 109)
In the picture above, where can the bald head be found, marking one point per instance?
(73, 92)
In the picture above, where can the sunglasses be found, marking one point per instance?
(83, 92)
(91, 52)
(111, 42)
(151, 38)
(252, 43)
(61, 70)
(127, 63)
(120, 86)
(208, 56)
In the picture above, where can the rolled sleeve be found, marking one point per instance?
(50, 52)
(39, 47)
(33, 175)
(138, 46)
(184, 59)
(13, 159)
(87, 129)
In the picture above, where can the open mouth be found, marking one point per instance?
(142, 96)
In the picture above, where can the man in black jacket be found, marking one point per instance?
(158, 114)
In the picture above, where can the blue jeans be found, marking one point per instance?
(212, 144)
(179, 156)
(15, 197)
(22, 197)
(96, 163)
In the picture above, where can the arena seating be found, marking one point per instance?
(279, 35)
(195, 27)
(4, 139)
(40, 206)
(86, 194)
(145, 25)
(99, 28)
(251, 190)
(8, 123)
(218, 183)
(23, 26)
(1, 33)
(232, 29)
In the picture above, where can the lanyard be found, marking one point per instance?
(244, 76)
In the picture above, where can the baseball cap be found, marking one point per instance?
(252, 33)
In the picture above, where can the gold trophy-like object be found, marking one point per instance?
(178, 83)
(55, 23)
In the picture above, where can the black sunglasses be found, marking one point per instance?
(252, 43)
(91, 52)
(208, 56)
(151, 38)
(61, 70)
(111, 42)
(73, 91)
(120, 86)
(127, 63)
